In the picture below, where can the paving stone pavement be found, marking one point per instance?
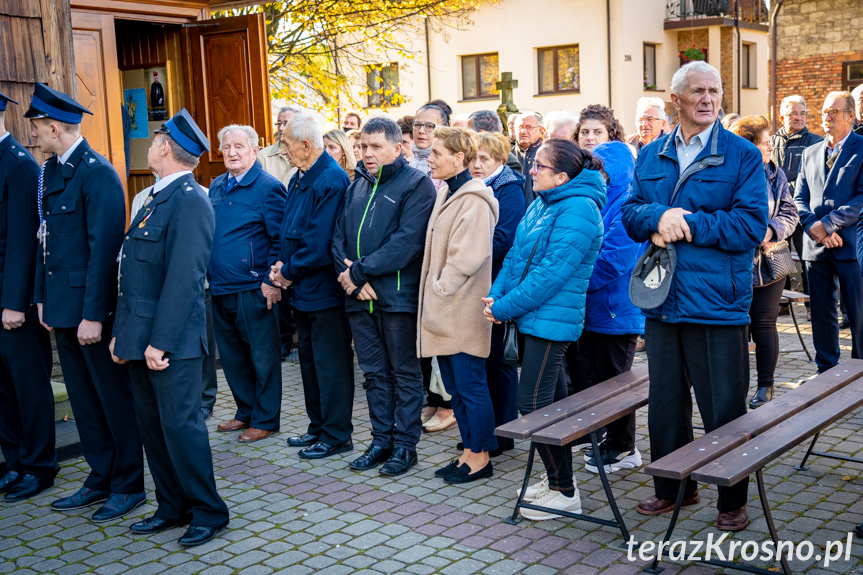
(297, 517)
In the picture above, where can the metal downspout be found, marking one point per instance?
(773, 61)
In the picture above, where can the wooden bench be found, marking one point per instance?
(729, 454)
(577, 416)
(792, 297)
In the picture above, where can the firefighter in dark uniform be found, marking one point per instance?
(82, 212)
(161, 332)
(26, 400)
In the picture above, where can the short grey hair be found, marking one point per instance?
(291, 109)
(646, 102)
(788, 101)
(847, 96)
(249, 131)
(385, 126)
(681, 78)
(560, 118)
(180, 155)
(304, 127)
(527, 113)
(486, 121)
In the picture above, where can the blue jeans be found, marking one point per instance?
(464, 379)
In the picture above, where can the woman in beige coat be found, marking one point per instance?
(456, 275)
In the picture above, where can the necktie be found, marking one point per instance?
(832, 159)
(232, 183)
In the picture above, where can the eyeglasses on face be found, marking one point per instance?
(281, 124)
(536, 166)
(428, 126)
(647, 119)
(527, 127)
(833, 111)
(802, 114)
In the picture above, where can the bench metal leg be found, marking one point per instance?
(802, 466)
(654, 567)
(797, 328)
(762, 495)
(603, 476)
(515, 519)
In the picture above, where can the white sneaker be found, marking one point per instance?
(535, 490)
(615, 460)
(554, 500)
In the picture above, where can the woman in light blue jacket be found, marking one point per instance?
(562, 229)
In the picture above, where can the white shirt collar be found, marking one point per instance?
(494, 174)
(703, 136)
(68, 153)
(3, 137)
(840, 144)
(167, 180)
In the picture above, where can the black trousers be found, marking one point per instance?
(27, 436)
(714, 361)
(247, 334)
(823, 303)
(386, 352)
(502, 379)
(543, 381)
(210, 384)
(167, 405)
(596, 357)
(762, 329)
(104, 414)
(287, 326)
(434, 399)
(327, 368)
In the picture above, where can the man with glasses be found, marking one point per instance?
(529, 135)
(273, 158)
(649, 122)
(829, 196)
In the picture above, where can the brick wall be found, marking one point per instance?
(726, 68)
(813, 41)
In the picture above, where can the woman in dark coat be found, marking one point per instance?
(767, 291)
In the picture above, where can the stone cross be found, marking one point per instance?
(507, 106)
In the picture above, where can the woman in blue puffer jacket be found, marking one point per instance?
(562, 229)
(612, 324)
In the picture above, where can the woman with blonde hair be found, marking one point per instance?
(338, 146)
(456, 274)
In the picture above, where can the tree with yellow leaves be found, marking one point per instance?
(313, 43)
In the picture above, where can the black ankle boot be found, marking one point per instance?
(762, 396)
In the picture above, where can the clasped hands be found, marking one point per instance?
(672, 227)
(818, 233)
(366, 294)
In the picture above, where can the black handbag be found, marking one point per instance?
(779, 261)
(513, 340)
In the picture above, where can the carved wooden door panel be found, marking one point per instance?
(95, 48)
(230, 79)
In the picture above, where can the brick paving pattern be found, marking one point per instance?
(298, 517)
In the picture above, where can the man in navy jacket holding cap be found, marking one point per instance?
(82, 211)
(161, 331)
(26, 401)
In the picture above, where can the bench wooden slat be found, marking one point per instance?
(753, 455)
(792, 295)
(682, 462)
(601, 414)
(527, 425)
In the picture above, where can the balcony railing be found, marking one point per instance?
(746, 10)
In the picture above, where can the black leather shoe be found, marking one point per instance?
(85, 497)
(449, 468)
(845, 323)
(858, 529)
(762, 396)
(8, 480)
(462, 474)
(28, 486)
(374, 456)
(153, 524)
(320, 450)
(401, 461)
(503, 444)
(118, 505)
(198, 535)
(303, 440)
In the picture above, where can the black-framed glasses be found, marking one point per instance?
(536, 166)
(429, 127)
(281, 124)
(833, 111)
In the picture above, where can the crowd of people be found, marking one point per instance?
(419, 246)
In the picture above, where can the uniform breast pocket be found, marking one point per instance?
(65, 217)
(148, 246)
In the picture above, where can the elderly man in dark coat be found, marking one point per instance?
(315, 202)
(26, 402)
(82, 211)
(161, 331)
